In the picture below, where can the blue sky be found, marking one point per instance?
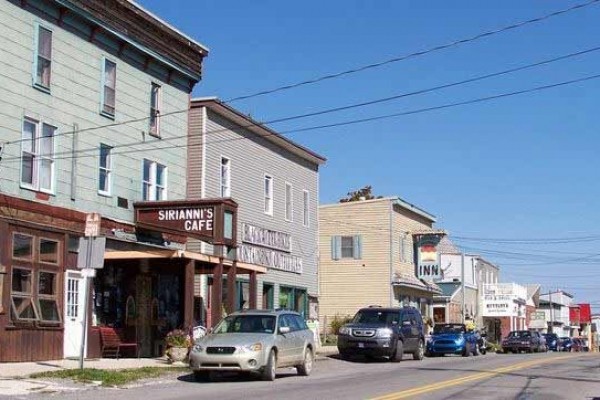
(523, 168)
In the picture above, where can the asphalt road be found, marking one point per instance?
(494, 376)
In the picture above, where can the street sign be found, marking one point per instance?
(91, 252)
(92, 224)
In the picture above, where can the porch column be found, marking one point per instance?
(253, 288)
(217, 294)
(231, 288)
(188, 299)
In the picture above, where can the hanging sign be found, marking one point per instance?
(428, 256)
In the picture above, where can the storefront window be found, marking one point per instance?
(49, 251)
(47, 301)
(22, 246)
(22, 305)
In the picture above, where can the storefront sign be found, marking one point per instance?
(537, 320)
(270, 258)
(266, 238)
(428, 257)
(498, 309)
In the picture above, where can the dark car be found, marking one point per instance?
(551, 341)
(565, 344)
(580, 344)
(383, 332)
(453, 339)
(528, 341)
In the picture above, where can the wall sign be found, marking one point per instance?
(270, 258)
(428, 257)
(266, 237)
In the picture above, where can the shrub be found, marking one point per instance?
(337, 322)
(178, 338)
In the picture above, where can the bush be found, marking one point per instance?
(337, 322)
(178, 338)
(494, 347)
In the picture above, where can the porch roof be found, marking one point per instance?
(411, 281)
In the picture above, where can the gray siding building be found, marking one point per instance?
(275, 182)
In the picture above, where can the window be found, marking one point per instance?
(47, 302)
(43, 58)
(37, 156)
(305, 209)
(154, 181)
(289, 202)
(48, 251)
(109, 85)
(268, 195)
(403, 248)
(22, 305)
(155, 110)
(105, 170)
(22, 246)
(225, 177)
(346, 247)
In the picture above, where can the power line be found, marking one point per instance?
(343, 123)
(415, 54)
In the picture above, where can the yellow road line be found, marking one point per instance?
(459, 381)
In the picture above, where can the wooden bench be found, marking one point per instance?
(113, 342)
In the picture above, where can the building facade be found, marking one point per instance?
(275, 183)
(555, 305)
(90, 92)
(367, 257)
(505, 302)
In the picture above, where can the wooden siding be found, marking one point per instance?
(75, 99)
(31, 345)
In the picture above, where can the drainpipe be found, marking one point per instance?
(391, 253)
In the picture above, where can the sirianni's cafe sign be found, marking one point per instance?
(268, 248)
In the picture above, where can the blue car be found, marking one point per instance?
(551, 341)
(452, 339)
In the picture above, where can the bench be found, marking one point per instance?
(113, 342)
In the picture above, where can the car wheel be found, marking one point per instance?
(399, 352)
(476, 350)
(306, 367)
(268, 372)
(202, 376)
(483, 350)
(419, 352)
(466, 351)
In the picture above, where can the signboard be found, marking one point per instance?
(92, 224)
(499, 309)
(428, 257)
(189, 220)
(91, 252)
(270, 258)
(537, 320)
(266, 237)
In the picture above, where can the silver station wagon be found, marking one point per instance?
(257, 341)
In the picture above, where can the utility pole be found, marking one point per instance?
(551, 328)
(462, 284)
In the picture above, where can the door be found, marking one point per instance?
(74, 302)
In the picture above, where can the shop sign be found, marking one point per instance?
(428, 257)
(270, 258)
(266, 238)
(498, 309)
(187, 220)
(537, 320)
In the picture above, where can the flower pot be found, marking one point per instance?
(177, 355)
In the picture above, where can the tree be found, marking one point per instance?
(365, 193)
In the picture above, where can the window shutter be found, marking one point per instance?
(336, 247)
(357, 247)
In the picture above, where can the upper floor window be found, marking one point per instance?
(289, 202)
(225, 177)
(109, 88)
(37, 156)
(105, 170)
(346, 247)
(155, 110)
(154, 181)
(305, 209)
(43, 58)
(268, 192)
(403, 247)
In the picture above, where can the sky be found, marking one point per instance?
(514, 179)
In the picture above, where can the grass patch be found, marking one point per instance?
(117, 377)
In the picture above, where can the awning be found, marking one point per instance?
(411, 281)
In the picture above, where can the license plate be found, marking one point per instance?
(361, 345)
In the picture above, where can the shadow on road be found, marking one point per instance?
(227, 376)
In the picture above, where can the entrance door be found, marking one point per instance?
(74, 302)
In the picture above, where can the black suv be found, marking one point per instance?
(383, 332)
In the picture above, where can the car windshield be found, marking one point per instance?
(246, 324)
(376, 317)
(449, 328)
(520, 334)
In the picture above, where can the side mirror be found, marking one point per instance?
(284, 329)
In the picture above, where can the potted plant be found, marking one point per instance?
(178, 343)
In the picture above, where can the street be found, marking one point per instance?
(494, 376)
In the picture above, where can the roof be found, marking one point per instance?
(446, 246)
(448, 288)
(409, 280)
(396, 200)
(244, 121)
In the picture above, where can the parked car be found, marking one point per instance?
(383, 332)
(517, 341)
(256, 341)
(551, 341)
(565, 344)
(580, 344)
(452, 339)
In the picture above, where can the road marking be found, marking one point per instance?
(469, 378)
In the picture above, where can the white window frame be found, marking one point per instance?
(104, 86)
(38, 58)
(305, 208)
(352, 246)
(403, 247)
(289, 202)
(225, 177)
(154, 189)
(155, 103)
(37, 158)
(268, 194)
(108, 169)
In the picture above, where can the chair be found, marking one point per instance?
(113, 342)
